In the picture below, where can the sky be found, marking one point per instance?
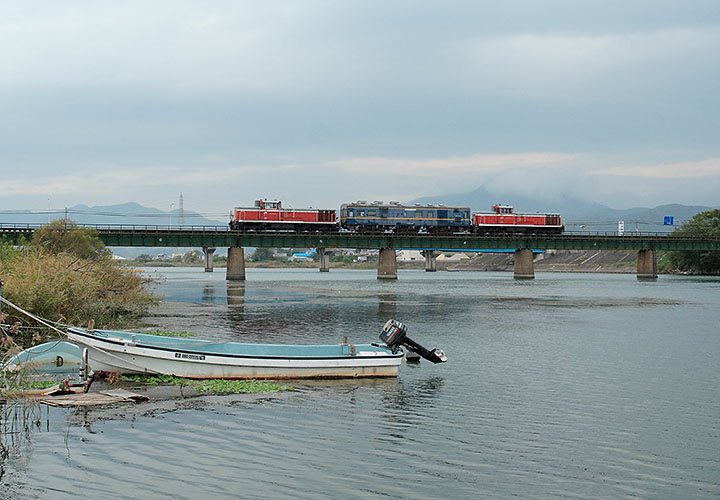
(323, 102)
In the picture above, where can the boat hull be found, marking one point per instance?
(136, 354)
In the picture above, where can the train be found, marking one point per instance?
(393, 217)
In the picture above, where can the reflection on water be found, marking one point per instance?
(208, 293)
(567, 386)
(387, 305)
(235, 293)
(236, 304)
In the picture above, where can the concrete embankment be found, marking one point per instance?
(569, 261)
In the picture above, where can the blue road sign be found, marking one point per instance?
(668, 220)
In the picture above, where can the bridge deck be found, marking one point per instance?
(220, 236)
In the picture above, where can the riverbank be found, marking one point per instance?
(558, 261)
(564, 261)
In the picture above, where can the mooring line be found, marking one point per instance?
(44, 322)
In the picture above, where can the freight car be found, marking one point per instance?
(504, 219)
(270, 215)
(362, 216)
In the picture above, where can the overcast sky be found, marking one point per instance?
(321, 102)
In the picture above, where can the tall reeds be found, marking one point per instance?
(67, 277)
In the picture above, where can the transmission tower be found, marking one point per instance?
(181, 213)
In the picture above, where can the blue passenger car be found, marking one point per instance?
(361, 216)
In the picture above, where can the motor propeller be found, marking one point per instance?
(394, 334)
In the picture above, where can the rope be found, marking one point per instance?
(31, 315)
(45, 322)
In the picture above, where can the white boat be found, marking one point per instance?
(137, 353)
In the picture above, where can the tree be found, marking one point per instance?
(143, 258)
(192, 257)
(704, 225)
(262, 254)
(64, 236)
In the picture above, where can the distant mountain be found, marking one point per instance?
(579, 215)
(125, 213)
(481, 200)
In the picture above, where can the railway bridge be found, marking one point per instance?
(209, 238)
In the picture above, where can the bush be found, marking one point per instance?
(73, 290)
(69, 278)
(64, 236)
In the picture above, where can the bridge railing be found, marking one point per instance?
(380, 232)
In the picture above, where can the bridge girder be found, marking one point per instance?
(152, 236)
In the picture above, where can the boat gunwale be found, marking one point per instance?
(383, 355)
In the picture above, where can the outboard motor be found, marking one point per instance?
(394, 334)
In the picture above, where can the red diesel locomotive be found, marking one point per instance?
(267, 215)
(504, 218)
(376, 216)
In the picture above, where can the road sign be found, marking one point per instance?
(669, 220)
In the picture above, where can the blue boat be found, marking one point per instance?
(51, 357)
(138, 353)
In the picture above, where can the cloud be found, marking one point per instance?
(124, 182)
(557, 65)
(319, 102)
(436, 167)
(681, 170)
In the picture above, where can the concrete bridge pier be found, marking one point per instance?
(646, 265)
(324, 260)
(430, 260)
(236, 264)
(524, 267)
(208, 252)
(387, 265)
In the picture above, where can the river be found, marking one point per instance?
(566, 386)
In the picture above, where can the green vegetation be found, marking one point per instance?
(39, 384)
(704, 225)
(171, 334)
(13, 383)
(250, 386)
(156, 380)
(262, 255)
(65, 274)
(63, 236)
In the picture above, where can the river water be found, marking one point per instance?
(566, 386)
